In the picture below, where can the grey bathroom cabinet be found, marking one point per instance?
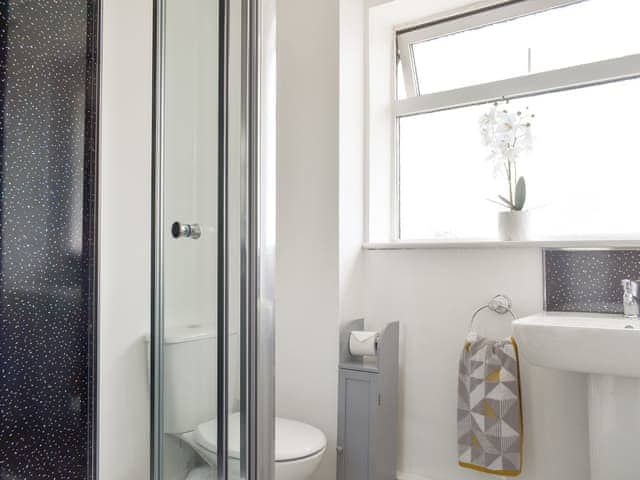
(367, 411)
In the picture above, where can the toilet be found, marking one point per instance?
(299, 447)
(190, 408)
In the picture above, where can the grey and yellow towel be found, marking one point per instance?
(490, 436)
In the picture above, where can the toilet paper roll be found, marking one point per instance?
(363, 343)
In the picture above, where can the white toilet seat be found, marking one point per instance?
(204, 472)
(294, 440)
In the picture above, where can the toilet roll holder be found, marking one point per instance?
(368, 391)
(354, 336)
(386, 348)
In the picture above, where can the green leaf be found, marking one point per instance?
(521, 194)
(499, 202)
(507, 203)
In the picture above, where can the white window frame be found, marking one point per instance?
(405, 37)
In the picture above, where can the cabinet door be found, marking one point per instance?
(356, 414)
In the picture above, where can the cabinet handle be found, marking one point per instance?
(339, 449)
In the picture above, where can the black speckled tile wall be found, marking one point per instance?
(588, 280)
(48, 212)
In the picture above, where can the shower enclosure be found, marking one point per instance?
(211, 342)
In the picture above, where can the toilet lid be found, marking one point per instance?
(294, 440)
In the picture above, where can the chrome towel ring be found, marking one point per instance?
(500, 304)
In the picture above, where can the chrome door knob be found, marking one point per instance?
(186, 230)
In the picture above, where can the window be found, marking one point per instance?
(575, 65)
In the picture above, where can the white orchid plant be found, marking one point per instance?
(507, 134)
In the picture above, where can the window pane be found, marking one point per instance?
(582, 174)
(600, 29)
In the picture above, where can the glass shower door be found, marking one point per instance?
(211, 351)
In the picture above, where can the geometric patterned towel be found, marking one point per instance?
(490, 436)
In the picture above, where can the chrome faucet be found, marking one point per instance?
(630, 302)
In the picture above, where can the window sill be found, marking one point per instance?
(594, 242)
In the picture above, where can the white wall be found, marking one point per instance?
(191, 160)
(307, 208)
(126, 211)
(125, 183)
(432, 293)
(351, 154)
(191, 189)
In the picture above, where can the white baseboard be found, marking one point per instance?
(413, 476)
(409, 476)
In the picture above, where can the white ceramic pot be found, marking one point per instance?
(513, 225)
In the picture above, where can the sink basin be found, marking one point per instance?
(581, 342)
(607, 348)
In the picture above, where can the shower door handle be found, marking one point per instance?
(186, 230)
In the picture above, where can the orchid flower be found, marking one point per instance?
(507, 135)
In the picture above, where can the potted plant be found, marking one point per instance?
(507, 135)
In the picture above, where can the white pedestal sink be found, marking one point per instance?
(605, 348)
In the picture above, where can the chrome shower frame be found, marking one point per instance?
(258, 164)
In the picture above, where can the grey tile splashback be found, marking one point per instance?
(587, 280)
